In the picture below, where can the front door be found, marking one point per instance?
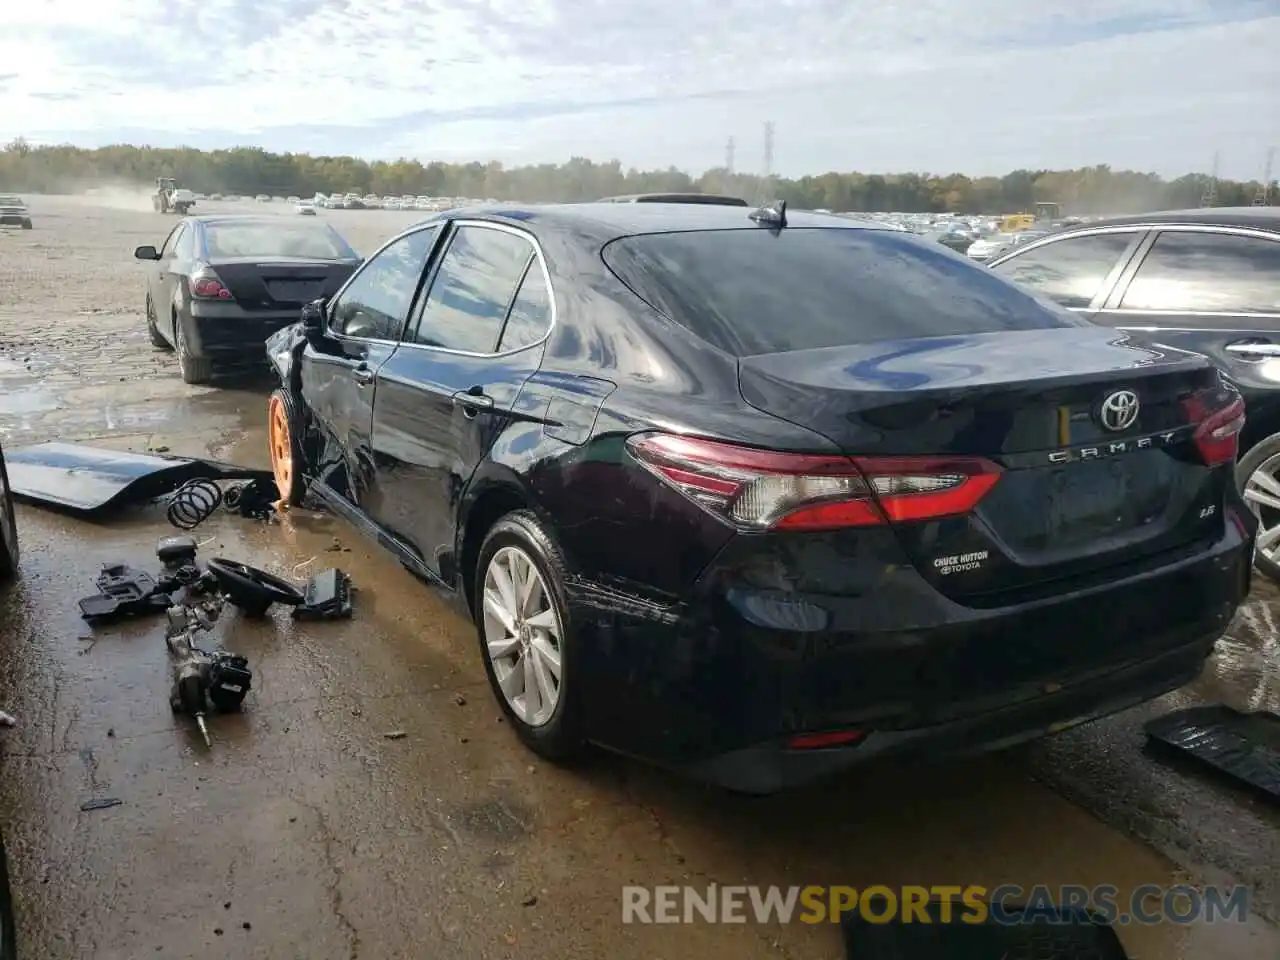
(450, 390)
(365, 320)
(159, 278)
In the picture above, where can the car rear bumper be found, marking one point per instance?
(14, 220)
(765, 650)
(228, 334)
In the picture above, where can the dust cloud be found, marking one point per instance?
(133, 197)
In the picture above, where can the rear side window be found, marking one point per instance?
(530, 316)
(1070, 271)
(757, 291)
(1188, 272)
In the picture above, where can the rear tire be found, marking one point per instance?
(520, 538)
(26, 224)
(9, 552)
(285, 429)
(194, 370)
(1262, 462)
(153, 331)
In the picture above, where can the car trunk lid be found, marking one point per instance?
(1093, 436)
(281, 283)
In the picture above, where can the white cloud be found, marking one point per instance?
(974, 85)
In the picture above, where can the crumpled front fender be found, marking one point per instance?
(284, 353)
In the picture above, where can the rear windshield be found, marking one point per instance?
(757, 291)
(249, 239)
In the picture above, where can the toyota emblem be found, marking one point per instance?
(1119, 410)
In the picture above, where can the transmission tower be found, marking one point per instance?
(730, 149)
(1210, 197)
(1263, 197)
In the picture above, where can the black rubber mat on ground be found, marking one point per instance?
(1242, 746)
(1072, 935)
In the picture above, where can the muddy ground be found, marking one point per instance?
(308, 833)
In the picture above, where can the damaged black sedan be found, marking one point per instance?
(759, 495)
(219, 286)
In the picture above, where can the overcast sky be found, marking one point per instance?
(978, 86)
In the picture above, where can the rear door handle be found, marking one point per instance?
(472, 401)
(361, 374)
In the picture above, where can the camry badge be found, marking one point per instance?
(1119, 411)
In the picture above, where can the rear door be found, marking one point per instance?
(449, 390)
(1215, 291)
(1076, 271)
(365, 322)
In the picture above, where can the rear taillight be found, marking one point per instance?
(1218, 435)
(768, 490)
(205, 285)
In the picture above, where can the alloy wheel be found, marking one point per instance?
(280, 443)
(523, 635)
(1262, 493)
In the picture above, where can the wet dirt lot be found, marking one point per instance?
(308, 833)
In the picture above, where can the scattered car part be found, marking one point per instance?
(1022, 933)
(100, 803)
(124, 592)
(176, 553)
(197, 500)
(251, 589)
(1244, 746)
(200, 678)
(87, 480)
(327, 596)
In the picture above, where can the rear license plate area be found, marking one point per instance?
(1083, 501)
(295, 291)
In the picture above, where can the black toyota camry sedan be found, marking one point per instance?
(761, 494)
(218, 286)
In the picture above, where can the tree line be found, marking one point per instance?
(252, 171)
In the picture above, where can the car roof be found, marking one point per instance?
(1262, 218)
(609, 221)
(242, 218)
(708, 198)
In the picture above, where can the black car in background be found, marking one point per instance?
(219, 286)
(8, 570)
(1204, 280)
(760, 495)
(13, 212)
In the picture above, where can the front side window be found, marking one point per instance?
(1194, 272)
(1070, 271)
(374, 305)
(473, 290)
(171, 242)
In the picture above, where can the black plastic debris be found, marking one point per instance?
(1062, 933)
(101, 803)
(327, 596)
(1242, 746)
(124, 592)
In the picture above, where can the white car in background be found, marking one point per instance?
(305, 208)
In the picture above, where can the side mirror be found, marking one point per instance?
(146, 253)
(314, 319)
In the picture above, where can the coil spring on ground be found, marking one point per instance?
(193, 503)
